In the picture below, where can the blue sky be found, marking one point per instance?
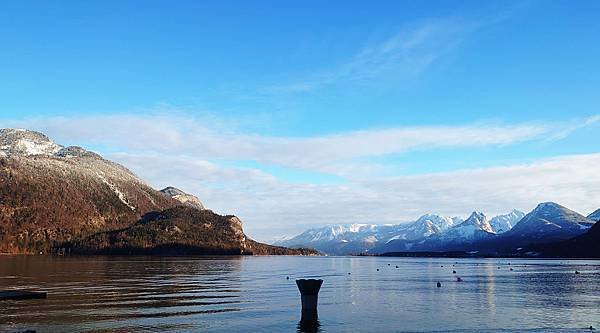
(290, 113)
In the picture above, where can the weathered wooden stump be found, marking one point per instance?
(309, 294)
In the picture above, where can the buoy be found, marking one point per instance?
(439, 285)
(453, 272)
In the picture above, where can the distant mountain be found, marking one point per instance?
(476, 226)
(427, 225)
(413, 234)
(595, 216)
(54, 196)
(361, 238)
(462, 236)
(338, 239)
(548, 222)
(503, 223)
(182, 197)
(430, 231)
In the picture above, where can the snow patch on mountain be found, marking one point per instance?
(27, 143)
(115, 189)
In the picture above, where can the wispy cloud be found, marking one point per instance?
(334, 154)
(573, 126)
(405, 54)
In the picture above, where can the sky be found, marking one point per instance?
(299, 114)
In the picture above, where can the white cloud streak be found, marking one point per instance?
(334, 154)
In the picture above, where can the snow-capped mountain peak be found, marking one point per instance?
(432, 232)
(505, 222)
(20, 142)
(473, 227)
(552, 218)
(24, 142)
(478, 219)
(440, 222)
(346, 232)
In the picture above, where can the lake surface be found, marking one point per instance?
(252, 294)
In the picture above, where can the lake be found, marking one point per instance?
(252, 294)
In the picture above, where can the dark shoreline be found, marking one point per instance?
(462, 255)
(429, 254)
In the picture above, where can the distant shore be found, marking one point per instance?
(463, 254)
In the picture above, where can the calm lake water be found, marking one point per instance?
(252, 294)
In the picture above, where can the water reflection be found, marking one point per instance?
(309, 326)
(109, 293)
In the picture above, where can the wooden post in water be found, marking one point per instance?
(309, 293)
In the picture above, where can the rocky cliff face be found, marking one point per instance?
(53, 196)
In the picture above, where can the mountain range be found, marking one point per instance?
(57, 198)
(502, 235)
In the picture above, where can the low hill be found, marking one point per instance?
(178, 230)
